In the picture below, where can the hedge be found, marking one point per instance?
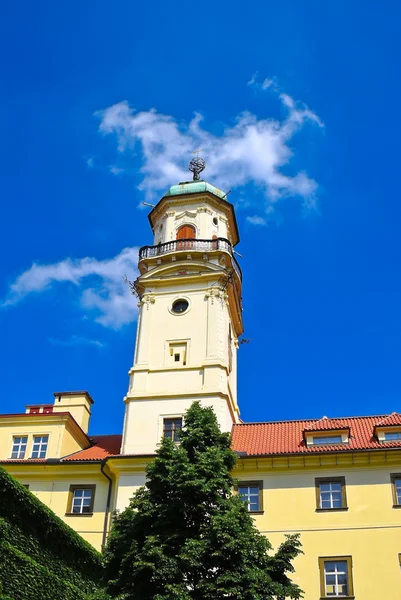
(38, 551)
(25, 579)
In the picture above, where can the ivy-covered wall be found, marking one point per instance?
(40, 556)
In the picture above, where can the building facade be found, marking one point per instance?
(337, 482)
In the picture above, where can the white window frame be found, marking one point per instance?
(248, 496)
(331, 493)
(81, 499)
(44, 442)
(21, 453)
(336, 573)
(327, 440)
(397, 435)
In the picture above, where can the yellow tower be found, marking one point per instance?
(189, 315)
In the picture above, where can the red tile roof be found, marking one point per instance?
(103, 446)
(393, 419)
(326, 424)
(286, 437)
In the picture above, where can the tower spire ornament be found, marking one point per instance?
(197, 165)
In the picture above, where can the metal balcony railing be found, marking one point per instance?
(190, 244)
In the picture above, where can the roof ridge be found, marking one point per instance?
(312, 420)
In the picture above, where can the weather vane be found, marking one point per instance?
(197, 165)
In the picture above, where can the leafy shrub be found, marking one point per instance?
(40, 556)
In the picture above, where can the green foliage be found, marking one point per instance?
(185, 536)
(38, 551)
(25, 579)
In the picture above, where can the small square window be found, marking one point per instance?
(172, 428)
(336, 577)
(81, 499)
(177, 352)
(39, 447)
(396, 488)
(19, 446)
(250, 492)
(330, 493)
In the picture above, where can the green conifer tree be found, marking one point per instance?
(185, 536)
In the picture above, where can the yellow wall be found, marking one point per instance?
(369, 531)
(51, 485)
(61, 442)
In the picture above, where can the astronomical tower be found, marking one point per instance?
(190, 315)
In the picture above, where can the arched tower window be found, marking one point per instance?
(186, 232)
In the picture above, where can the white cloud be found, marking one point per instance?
(77, 340)
(267, 83)
(116, 170)
(99, 283)
(251, 151)
(253, 80)
(256, 220)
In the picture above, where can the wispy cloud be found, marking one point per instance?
(267, 83)
(253, 79)
(76, 340)
(253, 150)
(99, 284)
(256, 220)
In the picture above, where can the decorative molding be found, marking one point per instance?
(204, 209)
(147, 300)
(217, 293)
(186, 213)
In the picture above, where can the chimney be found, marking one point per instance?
(78, 404)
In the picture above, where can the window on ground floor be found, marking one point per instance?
(330, 493)
(336, 577)
(81, 499)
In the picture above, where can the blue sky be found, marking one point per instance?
(297, 108)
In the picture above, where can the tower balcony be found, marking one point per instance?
(191, 245)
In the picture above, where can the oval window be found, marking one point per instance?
(180, 306)
(215, 221)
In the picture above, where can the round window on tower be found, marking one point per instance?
(215, 221)
(180, 306)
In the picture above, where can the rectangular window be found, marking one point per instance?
(251, 493)
(178, 353)
(81, 499)
(330, 493)
(327, 440)
(172, 428)
(396, 485)
(39, 447)
(336, 577)
(19, 446)
(392, 436)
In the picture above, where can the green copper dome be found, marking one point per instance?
(193, 187)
